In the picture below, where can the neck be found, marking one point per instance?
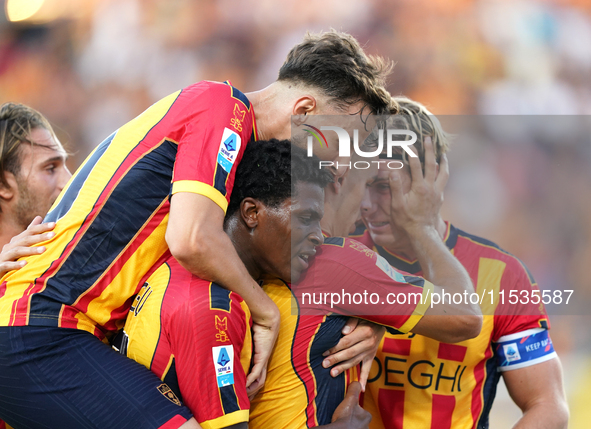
(268, 105)
(329, 226)
(403, 246)
(241, 238)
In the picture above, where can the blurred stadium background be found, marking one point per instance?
(92, 65)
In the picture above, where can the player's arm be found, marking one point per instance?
(539, 392)
(417, 212)
(208, 155)
(359, 345)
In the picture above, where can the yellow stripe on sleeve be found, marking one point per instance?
(420, 309)
(226, 420)
(201, 189)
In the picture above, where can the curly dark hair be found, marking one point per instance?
(270, 170)
(335, 63)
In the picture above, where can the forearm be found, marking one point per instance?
(445, 320)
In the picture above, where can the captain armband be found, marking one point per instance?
(524, 349)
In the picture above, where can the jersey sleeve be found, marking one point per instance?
(348, 278)
(210, 337)
(212, 143)
(520, 335)
(512, 316)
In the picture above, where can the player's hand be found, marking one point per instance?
(359, 345)
(419, 207)
(349, 414)
(265, 329)
(22, 245)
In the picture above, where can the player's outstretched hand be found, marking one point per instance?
(23, 245)
(349, 414)
(419, 207)
(359, 345)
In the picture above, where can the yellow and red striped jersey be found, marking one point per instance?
(299, 392)
(416, 381)
(195, 336)
(112, 215)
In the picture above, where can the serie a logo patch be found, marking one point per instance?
(228, 150)
(223, 362)
(167, 391)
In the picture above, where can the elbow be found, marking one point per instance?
(188, 250)
(563, 414)
(466, 328)
(473, 326)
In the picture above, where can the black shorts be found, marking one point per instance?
(68, 378)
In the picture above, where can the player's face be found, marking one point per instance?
(307, 209)
(42, 176)
(297, 218)
(353, 190)
(375, 209)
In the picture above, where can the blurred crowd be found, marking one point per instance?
(92, 65)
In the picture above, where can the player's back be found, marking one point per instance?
(195, 336)
(112, 216)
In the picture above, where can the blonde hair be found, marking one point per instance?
(424, 124)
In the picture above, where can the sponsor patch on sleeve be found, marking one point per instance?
(524, 349)
(223, 361)
(229, 148)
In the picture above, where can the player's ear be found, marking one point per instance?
(339, 177)
(249, 212)
(7, 191)
(304, 105)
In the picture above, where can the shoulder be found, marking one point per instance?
(340, 245)
(219, 90)
(473, 247)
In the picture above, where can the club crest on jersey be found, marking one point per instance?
(167, 391)
(223, 362)
(238, 118)
(229, 148)
(221, 325)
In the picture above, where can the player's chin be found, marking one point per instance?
(294, 275)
